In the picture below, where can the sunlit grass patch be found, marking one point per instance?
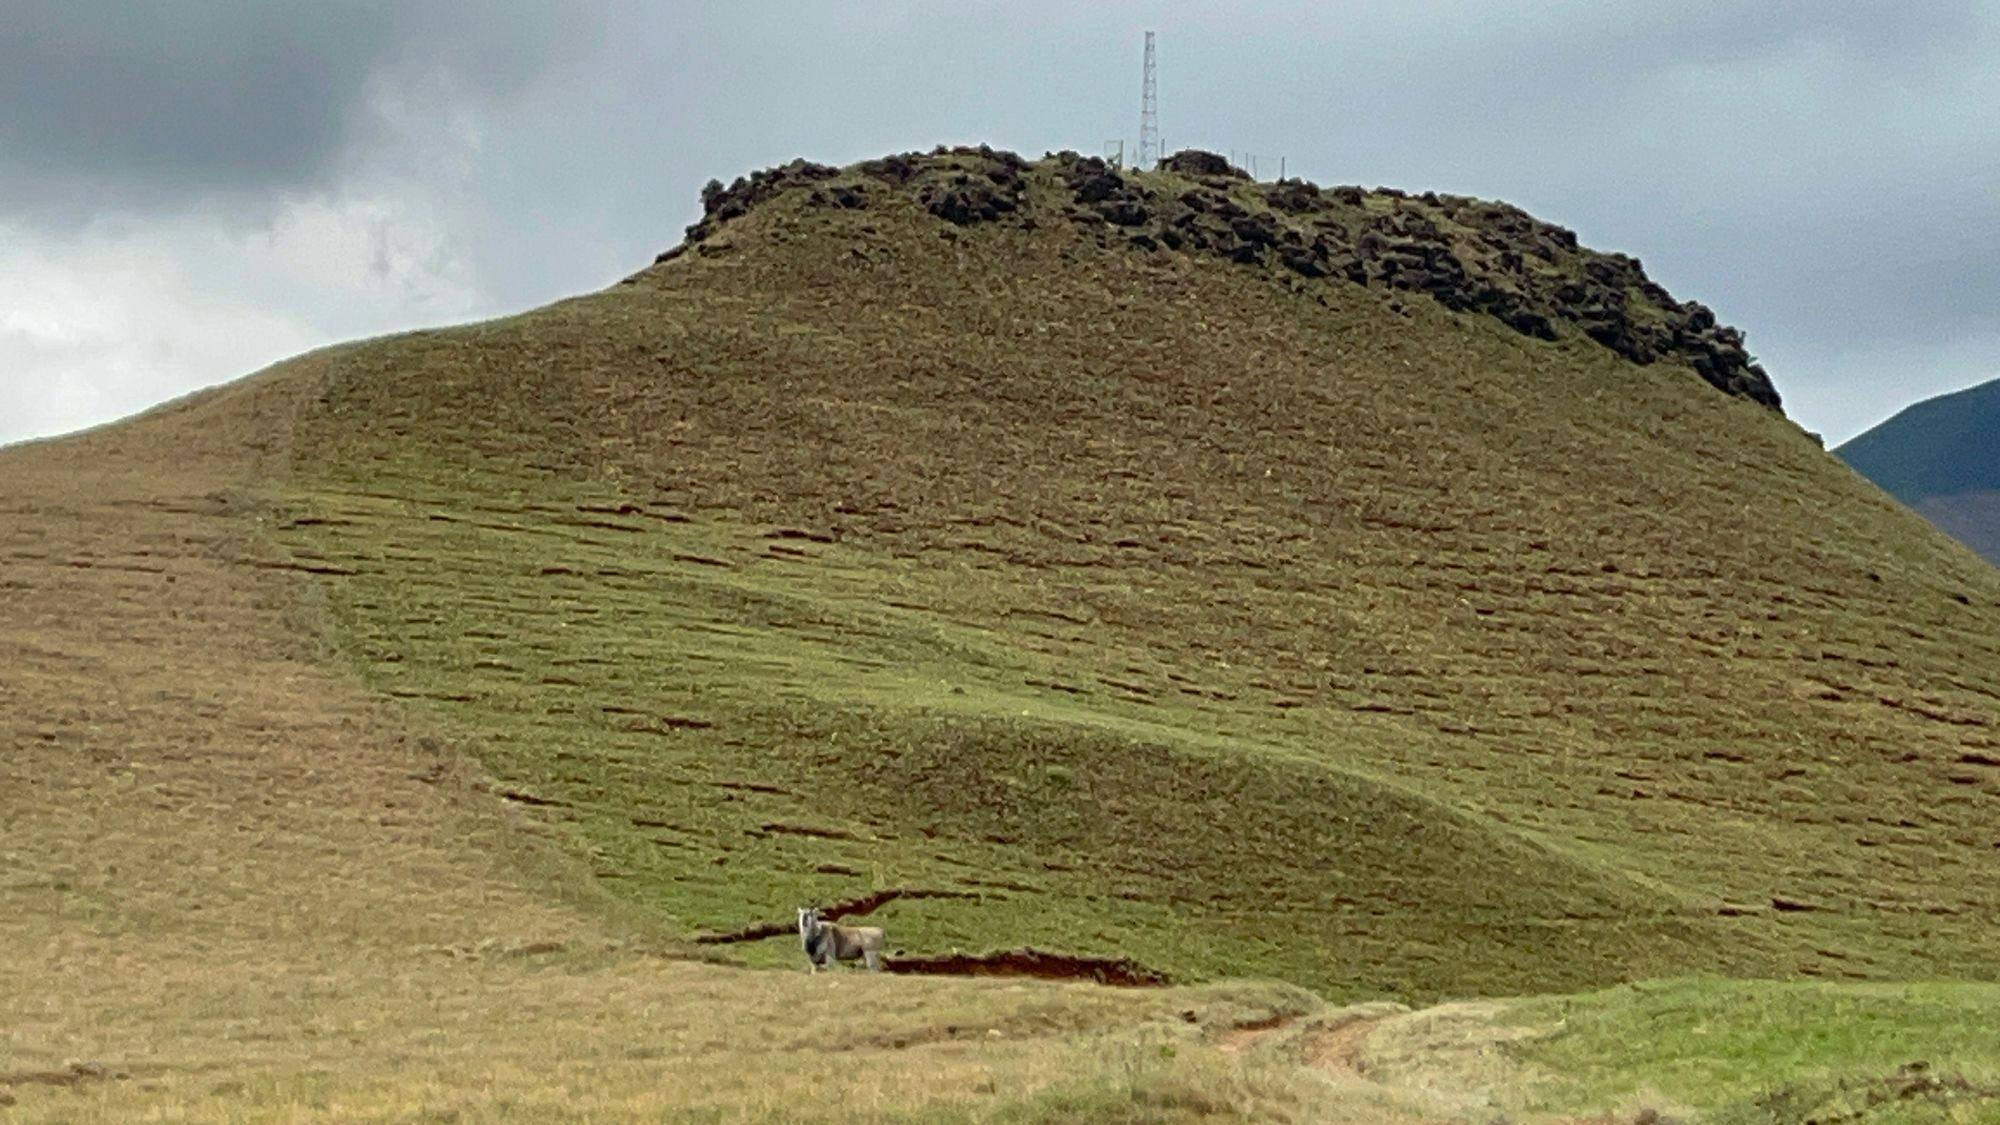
(1772, 1051)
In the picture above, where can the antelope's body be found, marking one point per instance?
(827, 943)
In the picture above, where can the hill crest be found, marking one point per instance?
(1942, 446)
(1467, 254)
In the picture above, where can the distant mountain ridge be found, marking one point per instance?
(1942, 457)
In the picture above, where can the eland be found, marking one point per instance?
(827, 943)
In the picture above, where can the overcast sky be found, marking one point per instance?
(189, 191)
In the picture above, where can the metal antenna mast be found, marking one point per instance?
(1149, 115)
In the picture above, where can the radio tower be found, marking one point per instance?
(1149, 115)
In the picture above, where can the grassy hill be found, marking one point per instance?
(1942, 457)
(1217, 579)
(1183, 609)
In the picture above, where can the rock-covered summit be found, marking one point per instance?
(1470, 255)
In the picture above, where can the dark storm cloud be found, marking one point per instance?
(153, 104)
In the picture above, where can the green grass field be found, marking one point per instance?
(1779, 1052)
(806, 746)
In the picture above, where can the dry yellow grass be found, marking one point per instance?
(607, 1036)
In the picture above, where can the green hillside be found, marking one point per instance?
(1228, 577)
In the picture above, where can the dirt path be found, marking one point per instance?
(1341, 1048)
(1243, 1037)
(1447, 1063)
(1331, 1041)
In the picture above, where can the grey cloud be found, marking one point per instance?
(1811, 169)
(158, 104)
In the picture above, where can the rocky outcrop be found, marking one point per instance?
(1194, 162)
(981, 194)
(720, 204)
(962, 185)
(1469, 255)
(1105, 192)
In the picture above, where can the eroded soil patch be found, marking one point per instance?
(1242, 1037)
(1340, 1048)
(1036, 963)
(75, 1074)
(1911, 1088)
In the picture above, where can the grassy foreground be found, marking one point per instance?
(603, 1036)
(1772, 1052)
(542, 1034)
(240, 888)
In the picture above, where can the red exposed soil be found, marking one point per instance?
(1035, 963)
(1340, 1048)
(1243, 1036)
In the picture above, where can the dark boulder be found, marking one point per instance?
(1293, 196)
(1096, 187)
(1303, 261)
(1124, 212)
(965, 200)
(891, 169)
(1194, 162)
(1000, 156)
(843, 196)
(1257, 230)
(1528, 323)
